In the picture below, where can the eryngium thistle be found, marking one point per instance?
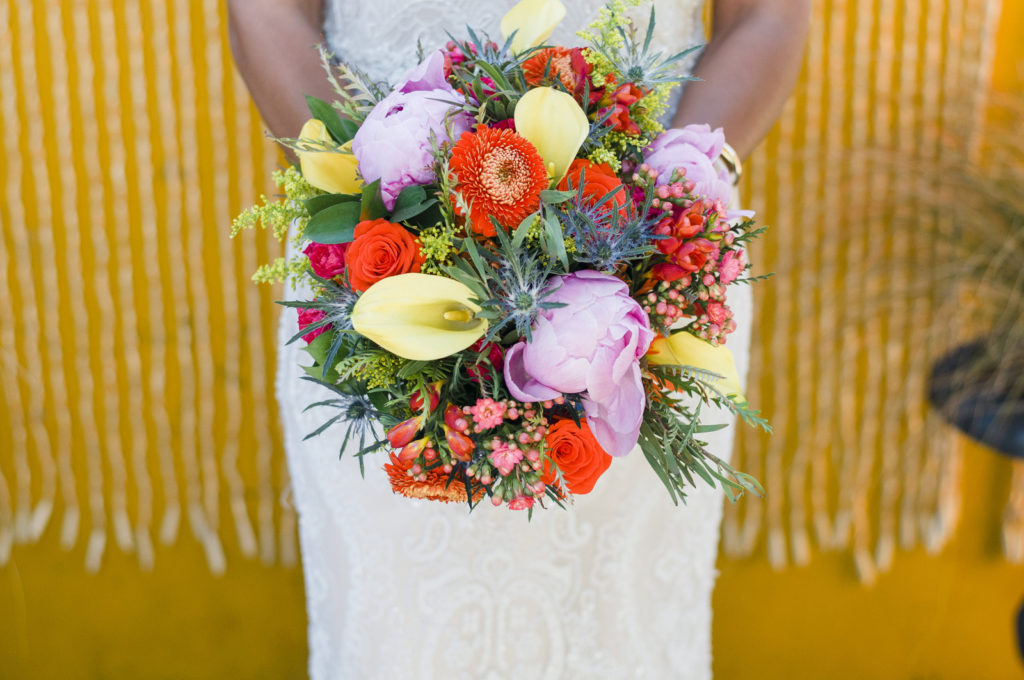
(604, 238)
(520, 287)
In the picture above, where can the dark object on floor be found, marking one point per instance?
(981, 409)
(1020, 631)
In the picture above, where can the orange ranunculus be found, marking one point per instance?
(598, 181)
(578, 455)
(381, 249)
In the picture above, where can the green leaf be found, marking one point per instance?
(335, 224)
(410, 203)
(555, 240)
(326, 114)
(349, 128)
(318, 203)
(373, 204)
(520, 234)
(551, 196)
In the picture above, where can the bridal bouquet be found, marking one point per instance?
(517, 276)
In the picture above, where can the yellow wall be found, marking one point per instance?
(153, 104)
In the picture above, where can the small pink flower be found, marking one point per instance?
(488, 413)
(505, 457)
(718, 313)
(731, 266)
(308, 317)
(521, 503)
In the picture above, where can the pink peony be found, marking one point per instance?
(326, 260)
(592, 345)
(430, 74)
(694, 148)
(395, 143)
(308, 317)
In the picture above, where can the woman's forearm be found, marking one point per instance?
(748, 68)
(273, 42)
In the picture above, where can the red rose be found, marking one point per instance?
(308, 317)
(598, 181)
(578, 455)
(327, 260)
(381, 249)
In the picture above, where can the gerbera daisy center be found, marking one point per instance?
(506, 175)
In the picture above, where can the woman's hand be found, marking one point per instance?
(274, 42)
(748, 68)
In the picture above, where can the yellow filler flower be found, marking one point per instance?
(554, 123)
(324, 164)
(533, 21)
(685, 349)
(418, 316)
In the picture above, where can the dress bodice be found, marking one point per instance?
(381, 37)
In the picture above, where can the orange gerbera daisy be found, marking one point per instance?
(434, 488)
(499, 173)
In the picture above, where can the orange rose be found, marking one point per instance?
(578, 455)
(598, 181)
(381, 249)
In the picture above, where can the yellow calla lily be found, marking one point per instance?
(554, 123)
(324, 164)
(418, 316)
(533, 21)
(684, 349)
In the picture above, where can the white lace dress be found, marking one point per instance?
(619, 586)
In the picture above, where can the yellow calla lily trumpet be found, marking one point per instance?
(685, 349)
(533, 21)
(324, 164)
(555, 124)
(418, 316)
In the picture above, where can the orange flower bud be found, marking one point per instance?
(461, 446)
(454, 419)
(404, 432)
(434, 390)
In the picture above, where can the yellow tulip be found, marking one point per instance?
(418, 316)
(555, 124)
(684, 349)
(324, 164)
(533, 21)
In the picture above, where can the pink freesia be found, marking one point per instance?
(592, 345)
(694, 148)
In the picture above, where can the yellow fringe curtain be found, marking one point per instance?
(849, 327)
(136, 359)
